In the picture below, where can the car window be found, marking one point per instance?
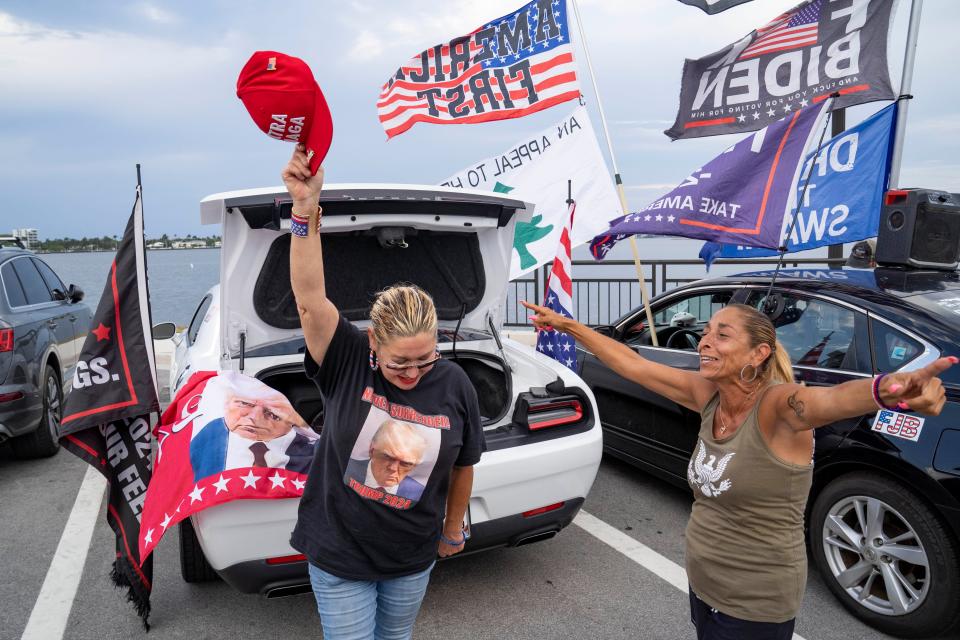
(689, 312)
(815, 333)
(197, 321)
(33, 285)
(11, 285)
(52, 279)
(892, 348)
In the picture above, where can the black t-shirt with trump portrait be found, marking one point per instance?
(376, 495)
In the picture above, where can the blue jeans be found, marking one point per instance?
(363, 610)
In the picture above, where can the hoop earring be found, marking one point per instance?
(756, 372)
(374, 363)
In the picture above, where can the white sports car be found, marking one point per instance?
(540, 419)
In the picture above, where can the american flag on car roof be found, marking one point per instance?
(794, 29)
(517, 64)
(559, 297)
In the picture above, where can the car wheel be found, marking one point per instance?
(44, 441)
(886, 556)
(193, 565)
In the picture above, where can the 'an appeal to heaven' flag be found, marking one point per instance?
(817, 48)
(559, 297)
(738, 197)
(713, 6)
(106, 418)
(536, 170)
(206, 457)
(845, 195)
(509, 67)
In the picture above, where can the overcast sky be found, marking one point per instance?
(88, 89)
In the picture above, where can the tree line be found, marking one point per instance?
(110, 243)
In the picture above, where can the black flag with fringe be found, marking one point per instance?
(106, 418)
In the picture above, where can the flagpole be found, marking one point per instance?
(903, 100)
(617, 179)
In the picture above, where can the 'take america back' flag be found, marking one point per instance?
(739, 197)
(559, 297)
(517, 64)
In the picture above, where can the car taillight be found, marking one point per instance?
(10, 397)
(6, 340)
(554, 414)
(540, 510)
(894, 195)
(287, 559)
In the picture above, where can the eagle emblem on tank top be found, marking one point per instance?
(706, 472)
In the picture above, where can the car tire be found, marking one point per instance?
(193, 564)
(861, 572)
(44, 441)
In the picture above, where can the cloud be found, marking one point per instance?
(657, 186)
(367, 46)
(155, 14)
(117, 75)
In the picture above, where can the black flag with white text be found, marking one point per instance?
(106, 419)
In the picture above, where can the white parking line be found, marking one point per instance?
(659, 565)
(48, 620)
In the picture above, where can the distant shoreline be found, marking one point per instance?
(114, 251)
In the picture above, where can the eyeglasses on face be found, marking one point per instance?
(419, 366)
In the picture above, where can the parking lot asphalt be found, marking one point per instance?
(573, 586)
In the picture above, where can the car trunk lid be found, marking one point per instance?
(455, 244)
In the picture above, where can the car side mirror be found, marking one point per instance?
(607, 330)
(164, 331)
(58, 294)
(75, 293)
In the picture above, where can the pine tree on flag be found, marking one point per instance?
(559, 297)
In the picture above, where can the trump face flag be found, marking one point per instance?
(816, 48)
(106, 419)
(738, 197)
(559, 297)
(514, 65)
(843, 200)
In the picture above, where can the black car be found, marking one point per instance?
(883, 516)
(42, 328)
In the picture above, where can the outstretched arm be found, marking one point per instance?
(683, 387)
(318, 316)
(803, 408)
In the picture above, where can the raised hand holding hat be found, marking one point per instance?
(286, 103)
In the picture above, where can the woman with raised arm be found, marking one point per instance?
(752, 467)
(393, 469)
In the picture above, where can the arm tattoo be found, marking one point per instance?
(795, 404)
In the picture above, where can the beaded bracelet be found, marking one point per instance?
(876, 394)
(300, 226)
(454, 543)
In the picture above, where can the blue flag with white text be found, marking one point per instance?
(843, 200)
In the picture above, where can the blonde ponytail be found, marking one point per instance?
(777, 367)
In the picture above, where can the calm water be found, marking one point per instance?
(178, 278)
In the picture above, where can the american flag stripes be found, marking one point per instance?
(559, 297)
(517, 64)
(792, 30)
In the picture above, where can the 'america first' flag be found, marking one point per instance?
(559, 297)
(517, 64)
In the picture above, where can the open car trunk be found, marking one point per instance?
(485, 371)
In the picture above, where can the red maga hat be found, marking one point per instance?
(286, 103)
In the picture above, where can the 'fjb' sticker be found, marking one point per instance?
(899, 425)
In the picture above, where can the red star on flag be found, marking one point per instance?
(102, 332)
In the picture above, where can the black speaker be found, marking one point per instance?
(920, 228)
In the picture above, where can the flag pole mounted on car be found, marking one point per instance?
(617, 179)
(904, 97)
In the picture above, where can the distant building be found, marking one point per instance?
(189, 244)
(28, 237)
(159, 244)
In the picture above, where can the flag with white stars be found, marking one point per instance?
(225, 436)
(106, 416)
(739, 197)
(559, 297)
(517, 64)
(802, 55)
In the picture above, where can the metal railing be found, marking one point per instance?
(601, 300)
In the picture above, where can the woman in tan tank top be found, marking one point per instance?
(752, 467)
